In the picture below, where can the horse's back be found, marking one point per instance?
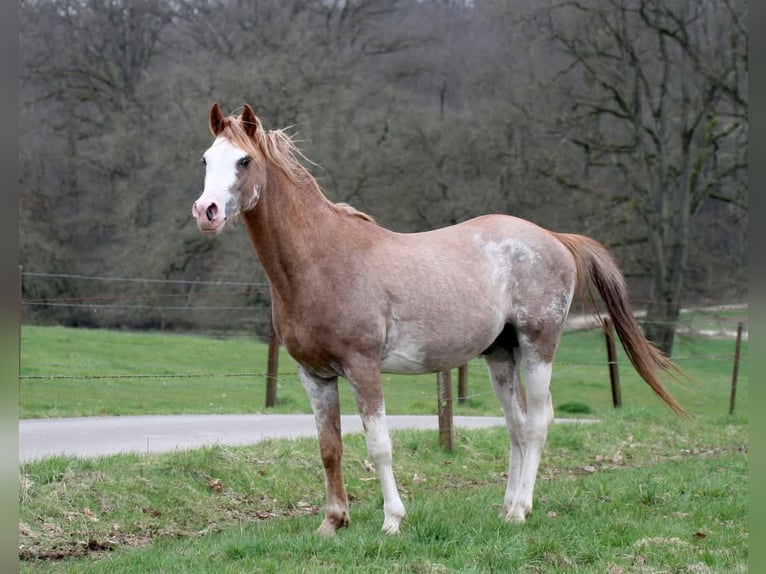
(453, 291)
(494, 247)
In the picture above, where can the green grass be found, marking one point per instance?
(641, 491)
(88, 372)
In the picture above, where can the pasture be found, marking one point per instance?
(92, 372)
(641, 491)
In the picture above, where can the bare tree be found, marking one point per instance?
(659, 109)
(423, 112)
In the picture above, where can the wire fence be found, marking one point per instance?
(227, 305)
(231, 306)
(257, 292)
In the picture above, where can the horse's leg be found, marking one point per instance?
(323, 395)
(539, 417)
(365, 382)
(504, 374)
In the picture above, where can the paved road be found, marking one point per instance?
(101, 436)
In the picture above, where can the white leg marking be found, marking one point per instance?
(379, 449)
(504, 374)
(537, 376)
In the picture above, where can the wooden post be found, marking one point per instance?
(611, 353)
(272, 367)
(444, 395)
(21, 289)
(462, 383)
(735, 372)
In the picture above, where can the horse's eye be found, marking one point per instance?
(245, 161)
(204, 161)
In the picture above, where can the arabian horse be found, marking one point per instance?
(352, 299)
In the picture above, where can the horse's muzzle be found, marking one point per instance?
(210, 219)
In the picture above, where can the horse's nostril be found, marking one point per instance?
(211, 211)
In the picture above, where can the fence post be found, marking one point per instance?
(21, 289)
(611, 353)
(444, 400)
(735, 372)
(272, 367)
(462, 383)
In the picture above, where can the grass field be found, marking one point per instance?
(87, 372)
(640, 491)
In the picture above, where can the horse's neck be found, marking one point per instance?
(289, 227)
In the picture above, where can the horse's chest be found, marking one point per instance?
(323, 346)
(302, 342)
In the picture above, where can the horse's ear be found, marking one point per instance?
(216, 120)
(249, 121)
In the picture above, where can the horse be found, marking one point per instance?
(353, 299)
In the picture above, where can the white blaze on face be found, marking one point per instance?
(218, 198)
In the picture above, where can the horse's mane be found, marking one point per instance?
(279, 149)
(344, 207)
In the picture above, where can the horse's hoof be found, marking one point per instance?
(515, 519)
(392, 518)
(514, 515)
(326, 528)
(391, 525)
(329, 526)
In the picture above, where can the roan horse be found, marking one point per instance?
(352, 299)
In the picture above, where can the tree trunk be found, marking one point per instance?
(660, 324)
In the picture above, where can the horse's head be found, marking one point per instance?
(234, 174)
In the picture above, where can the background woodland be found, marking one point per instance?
(625, 120)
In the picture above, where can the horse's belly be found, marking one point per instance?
(414, 356)
(443, 325)
(405, 360)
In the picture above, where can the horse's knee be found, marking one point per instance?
(549, 413)
(331, 450)
(380, 451)
(378, 440)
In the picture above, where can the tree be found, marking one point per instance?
(658, 112)
(421, 112)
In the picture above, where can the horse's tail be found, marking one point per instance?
(597, 268)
